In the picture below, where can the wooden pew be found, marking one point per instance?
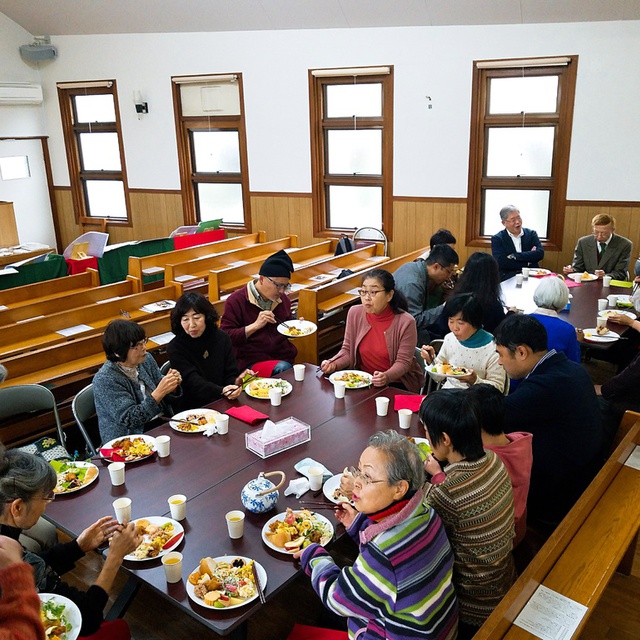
(597, 537)
(41, 332)
(49, 289)
(93, 295)
(327, 305)
(154, 264)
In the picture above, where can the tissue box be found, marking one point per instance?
(292, 432)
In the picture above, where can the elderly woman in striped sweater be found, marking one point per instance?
(400, 585)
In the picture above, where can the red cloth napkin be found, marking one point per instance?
(407, 402)
(570, 283)
(264, 368)
(110, 454)
(246, 414)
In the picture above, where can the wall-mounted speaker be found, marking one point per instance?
(37, 52)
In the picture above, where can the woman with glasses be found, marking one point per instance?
(400, 585)
(252, 315)
(380, 336)
(26, 487)
(129, 390)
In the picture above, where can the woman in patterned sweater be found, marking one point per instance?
(474, 498)
(400, 585)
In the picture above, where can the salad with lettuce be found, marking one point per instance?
(54, 619)
(73, 475)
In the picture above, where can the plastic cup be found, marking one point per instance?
(339, 388)
(601, 322)
(298, 372)
(606, 281)
(525, 273)
(178, 506)
(404, 416)
(116, 473)
(222, 424)
(602, 304)
(613, 300)
(163, 446)
(519, 280)
(382, 406)
(122, 508)
(576, 277)
(275, 395)
(235, 524)
(315, 478)
(172, 563)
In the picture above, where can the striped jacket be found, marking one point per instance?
(400, 585)
(475, 503)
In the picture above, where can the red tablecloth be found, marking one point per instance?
(80, 266)
(194, 239)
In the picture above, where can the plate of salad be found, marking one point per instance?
(60, 616)
(73, 476)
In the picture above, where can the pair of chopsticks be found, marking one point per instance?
(194, 424)
(244, 383)
(320, 505)
(256, 578)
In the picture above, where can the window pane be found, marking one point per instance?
(106, 199)
(535, 94)
(100, 152)
(216, 151)
(353, 207)
(533, 207)
(347, 100)
(14, 167)
(220, 201)
(100, 108)
(352, 152)
(518, 151)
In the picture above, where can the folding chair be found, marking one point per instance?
(84, 408)
(432, 383)
(367, 235)
(165, 368)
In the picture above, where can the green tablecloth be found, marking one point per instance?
(53, 267)
(114, 264)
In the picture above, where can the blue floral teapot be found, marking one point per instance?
(260, 495)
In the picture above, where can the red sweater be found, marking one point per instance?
(19, 604)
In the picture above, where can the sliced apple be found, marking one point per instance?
(294, 545)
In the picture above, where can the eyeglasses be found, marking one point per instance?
(140, 345)
(50, 498)
(363, 293)
(514, 219)
(278, 286)
(364, 478)
(449, 270)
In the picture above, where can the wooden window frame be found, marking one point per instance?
(71, 132)
(481, 121)
(320, 179)
(189, 178)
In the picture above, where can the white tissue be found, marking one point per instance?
(210, 430)
(297, 487)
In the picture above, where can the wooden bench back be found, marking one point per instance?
(313, 252)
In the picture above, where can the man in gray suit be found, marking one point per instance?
(603, 252)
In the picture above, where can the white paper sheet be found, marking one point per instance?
(185, 278)
(296, 286)
(161, 305)
(150, 271)
(72, 331)
(162, 338)
(634, 459)
(238, 263)
(108, 300)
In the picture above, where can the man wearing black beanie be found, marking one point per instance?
(253, 313)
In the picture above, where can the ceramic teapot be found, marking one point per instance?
(260, 495)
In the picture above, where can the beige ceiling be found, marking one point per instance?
(82, 17)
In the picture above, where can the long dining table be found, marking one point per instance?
(211, 472)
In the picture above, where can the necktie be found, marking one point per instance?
(603, 246)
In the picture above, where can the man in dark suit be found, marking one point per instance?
(603, 252)
(515, 247)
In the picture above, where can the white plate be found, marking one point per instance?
(330, 486)
(361, 385)
(625, 300)
(617, 312)
(148, 439)
(86, 483)
(590, 335)
(449, 375)
(281, 516)
(71, 612)
(306, 326)
(210, 415)
(538, 273)
(177, 528)
(590, 277)
(271, 382)
(262, 575)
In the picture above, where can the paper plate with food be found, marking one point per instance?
(60, 616)
(539, 273)
(129, 448)
(297, 328)
(159, 536)
(448, 370)
(607, 313)
(73, 476)
(600, 334)
(354, 379)
(194, 420)
(423, 446)
(339, 488)
(225, 582)
(291, 531)
(624, 302)
(260, 388)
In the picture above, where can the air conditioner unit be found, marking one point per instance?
(20, 93)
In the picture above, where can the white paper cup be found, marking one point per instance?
(315, 478)
(163, 446)
(298, 372)
(602, 304)
(222, 424)
(122, 508)
(172, 563)
(525, 273)
(339, 388)
(613, 300)
(606, 281)
(404, 416)
(275, 395)
(116, 473)
(382, 406)
(601, 322)
(178, 506)
(519, 279)
(235, 524)
(576, 277)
